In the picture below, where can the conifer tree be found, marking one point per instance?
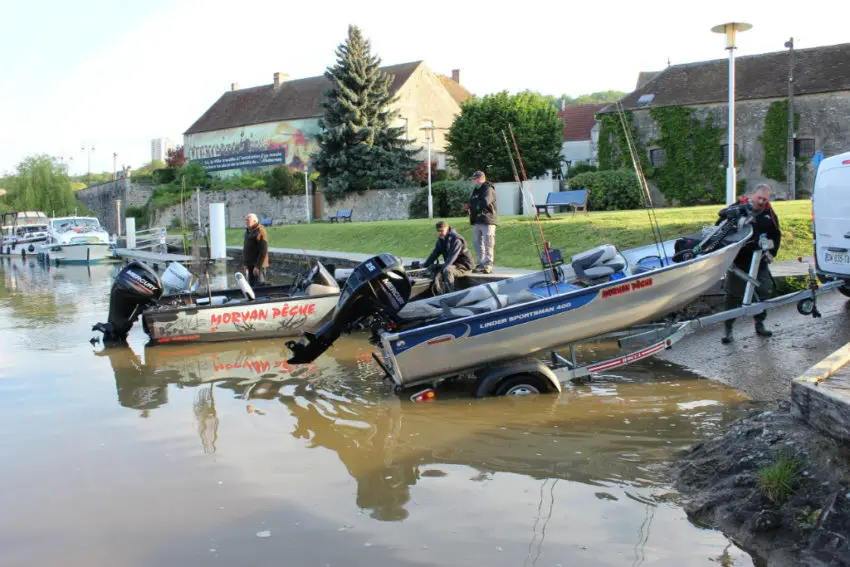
(358, 147)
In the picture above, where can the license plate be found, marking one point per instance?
(837, 257)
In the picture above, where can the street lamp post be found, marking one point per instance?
(730, 30)
(114, 165)
(307, 191)
(429, 130)
(792, 166)
(88, 150)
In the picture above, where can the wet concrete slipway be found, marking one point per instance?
(224, 455)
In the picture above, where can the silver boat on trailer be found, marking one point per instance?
(497, 332)
(560, 314)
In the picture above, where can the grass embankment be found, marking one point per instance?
(514, 248)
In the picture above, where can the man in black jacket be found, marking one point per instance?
(483, 217)
(456, 257)
(765, 222)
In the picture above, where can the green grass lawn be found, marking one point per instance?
(514, 245)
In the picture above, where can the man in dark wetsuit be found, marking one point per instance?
(765, 222)
(456, 257)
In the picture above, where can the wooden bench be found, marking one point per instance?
(576, 199)
(341, 215)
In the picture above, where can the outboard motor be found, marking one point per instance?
(135, 287)
(377, 287)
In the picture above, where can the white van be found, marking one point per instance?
(831, 218)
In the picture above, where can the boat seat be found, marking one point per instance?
(598, 262)
(476, 299)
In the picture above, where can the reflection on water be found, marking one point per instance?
(181, 456)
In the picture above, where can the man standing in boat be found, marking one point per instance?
(765, 222)
(483, 217)
(456, 257)
(255, 251)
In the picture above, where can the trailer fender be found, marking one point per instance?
(488, 378)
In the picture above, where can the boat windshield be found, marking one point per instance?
(76, 225)
(30, 229)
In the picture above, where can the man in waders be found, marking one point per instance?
(765, 222)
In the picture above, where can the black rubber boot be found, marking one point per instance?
(761, 331)
(727, 338)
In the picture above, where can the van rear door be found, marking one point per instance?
(831, 215)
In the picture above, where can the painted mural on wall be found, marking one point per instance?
(258, 145)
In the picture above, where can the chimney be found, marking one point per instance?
(234, 86)
(280, 78)
(456, 75)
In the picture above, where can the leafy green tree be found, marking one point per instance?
(40, 184)
(475, 139)
(358, 148)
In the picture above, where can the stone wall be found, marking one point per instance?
(369, 206)
(821, 118)
(101, 199)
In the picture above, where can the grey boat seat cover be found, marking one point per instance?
(594, 263)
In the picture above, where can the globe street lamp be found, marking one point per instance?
(730, 30)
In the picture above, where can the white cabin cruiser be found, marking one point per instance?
(76, 240)
(23, 233)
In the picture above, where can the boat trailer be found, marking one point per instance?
(532, 375)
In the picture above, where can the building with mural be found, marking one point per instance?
(277, 124)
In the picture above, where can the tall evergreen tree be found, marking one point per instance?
(358, 147)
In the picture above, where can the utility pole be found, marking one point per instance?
(792, 165)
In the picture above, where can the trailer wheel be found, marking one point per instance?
(845, 290)
(805, 306)
(521, 385)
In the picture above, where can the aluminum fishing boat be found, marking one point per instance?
(596, 292)
(206, 316)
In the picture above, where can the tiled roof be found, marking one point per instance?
(646, 76)
(578, 120)
(292, 100)
(458, 91)
(816, 70)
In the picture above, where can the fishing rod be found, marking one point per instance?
(645, 194)
(531, 201)
(522, 193)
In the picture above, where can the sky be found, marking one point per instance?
(113, 75)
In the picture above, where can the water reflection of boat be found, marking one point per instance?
(255, 369)
(604, 434)
(590, 436)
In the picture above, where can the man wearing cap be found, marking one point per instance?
(458, 261)
(483, 217)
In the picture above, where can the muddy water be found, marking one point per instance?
(224, 455)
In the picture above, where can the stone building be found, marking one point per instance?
(277, 123)
(821, 82)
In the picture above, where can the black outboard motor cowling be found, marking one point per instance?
(135, 287)
(378, 286)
